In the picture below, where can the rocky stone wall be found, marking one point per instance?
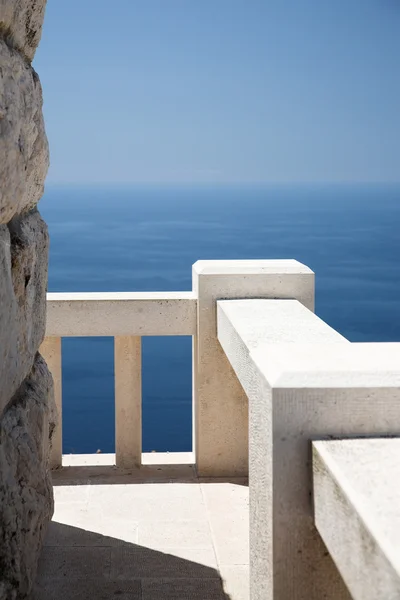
(27, 412)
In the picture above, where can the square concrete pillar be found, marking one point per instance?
(220, 404)
(128, 401)
(299, 394)
(304, 382)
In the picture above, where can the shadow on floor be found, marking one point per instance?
(78, 564)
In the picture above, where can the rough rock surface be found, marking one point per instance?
(21, 24)
(24, 149)
(26, 499)
(27, 408)
(23, 275)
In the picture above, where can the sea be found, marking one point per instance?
(146, 238)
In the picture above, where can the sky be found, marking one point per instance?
(221, 91)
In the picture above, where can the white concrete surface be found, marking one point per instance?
(165, 536)
(356, 487)
(220, 405)
(245, 325)
(120, 314)
(299, 392)
(128, 400)
(168, 458)
(109, 460)
(259, 267)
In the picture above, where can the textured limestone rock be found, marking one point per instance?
(24, 153)
(23, 276)
(26, 496)
(21, 24)
(27, 409)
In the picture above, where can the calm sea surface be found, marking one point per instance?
(147, 238)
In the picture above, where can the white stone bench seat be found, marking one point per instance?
(357, 512)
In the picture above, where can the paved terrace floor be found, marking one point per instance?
(153, 534)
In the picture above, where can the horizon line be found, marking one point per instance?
(219, 183)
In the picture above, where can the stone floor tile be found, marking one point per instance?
(89, 589)
(71, 494)
(80, 521)
(234, 480)
(104, 532)
(148, 509)
(236, 581)
(183, 589)
(231, 538)
(155, 490)
(120, 530)
(175, 534)
(135, 562)
(74, 513)
(62, 564)
(223, 498)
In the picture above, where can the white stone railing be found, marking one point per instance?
(220, 407)
(305, 382)
(269, 379)
(126, 317)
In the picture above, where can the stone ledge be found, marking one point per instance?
(121, 314)
(356, 499)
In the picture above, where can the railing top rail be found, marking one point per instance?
(251, 267)
(113, 314)
(291, 347)
(305, 382)
(118, 296)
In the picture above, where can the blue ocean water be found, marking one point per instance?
(146, 238)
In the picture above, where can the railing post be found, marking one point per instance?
(220, 404)
(321, 391)
(51, 352)
(281, 564)
(128, 401)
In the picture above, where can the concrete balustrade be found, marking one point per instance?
(125, 316)
(278, 543)
(269, 378)
(120, 314)
(220, 407)
(300, 389)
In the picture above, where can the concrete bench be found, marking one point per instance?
(357, 512)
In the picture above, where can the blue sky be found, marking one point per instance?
(183, 91)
